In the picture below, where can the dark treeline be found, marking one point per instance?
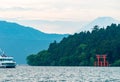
(81, 48)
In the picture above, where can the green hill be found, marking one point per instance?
(81, 48)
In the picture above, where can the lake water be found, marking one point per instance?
(60, 74)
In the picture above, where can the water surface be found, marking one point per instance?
(60, 74)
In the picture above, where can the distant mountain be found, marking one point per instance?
(19, 41)
(101, 22)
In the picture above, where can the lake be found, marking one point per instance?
(60, 74)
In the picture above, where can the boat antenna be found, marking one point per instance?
(2, 52)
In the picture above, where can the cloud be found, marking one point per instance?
(63, 11)
(60, 27)
(77, 10)
(15, 9)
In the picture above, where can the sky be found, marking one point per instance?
(57, 16)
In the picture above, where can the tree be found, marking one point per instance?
(117, 63)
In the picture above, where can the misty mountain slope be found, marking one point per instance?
(16, 31)
(19, 41)
(101, 22)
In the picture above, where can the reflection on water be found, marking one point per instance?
(60, 74)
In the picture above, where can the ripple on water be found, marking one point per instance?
(60, 74)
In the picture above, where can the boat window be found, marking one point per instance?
(6, 60)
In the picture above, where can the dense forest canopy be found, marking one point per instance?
(81, 48)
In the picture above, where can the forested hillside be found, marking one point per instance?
(80, 49)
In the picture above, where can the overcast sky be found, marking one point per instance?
(55, 15)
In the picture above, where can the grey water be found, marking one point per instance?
(60, 74)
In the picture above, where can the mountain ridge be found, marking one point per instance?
(19, 41)
(8, 27)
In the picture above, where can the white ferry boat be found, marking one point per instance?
(7, 62)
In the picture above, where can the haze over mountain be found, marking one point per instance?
(101, 22)
(19, 41)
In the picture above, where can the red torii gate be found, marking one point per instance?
(101, 60)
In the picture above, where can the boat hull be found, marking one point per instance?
(7, 66)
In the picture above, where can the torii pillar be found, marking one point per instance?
(104, 60)
(98, 58)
